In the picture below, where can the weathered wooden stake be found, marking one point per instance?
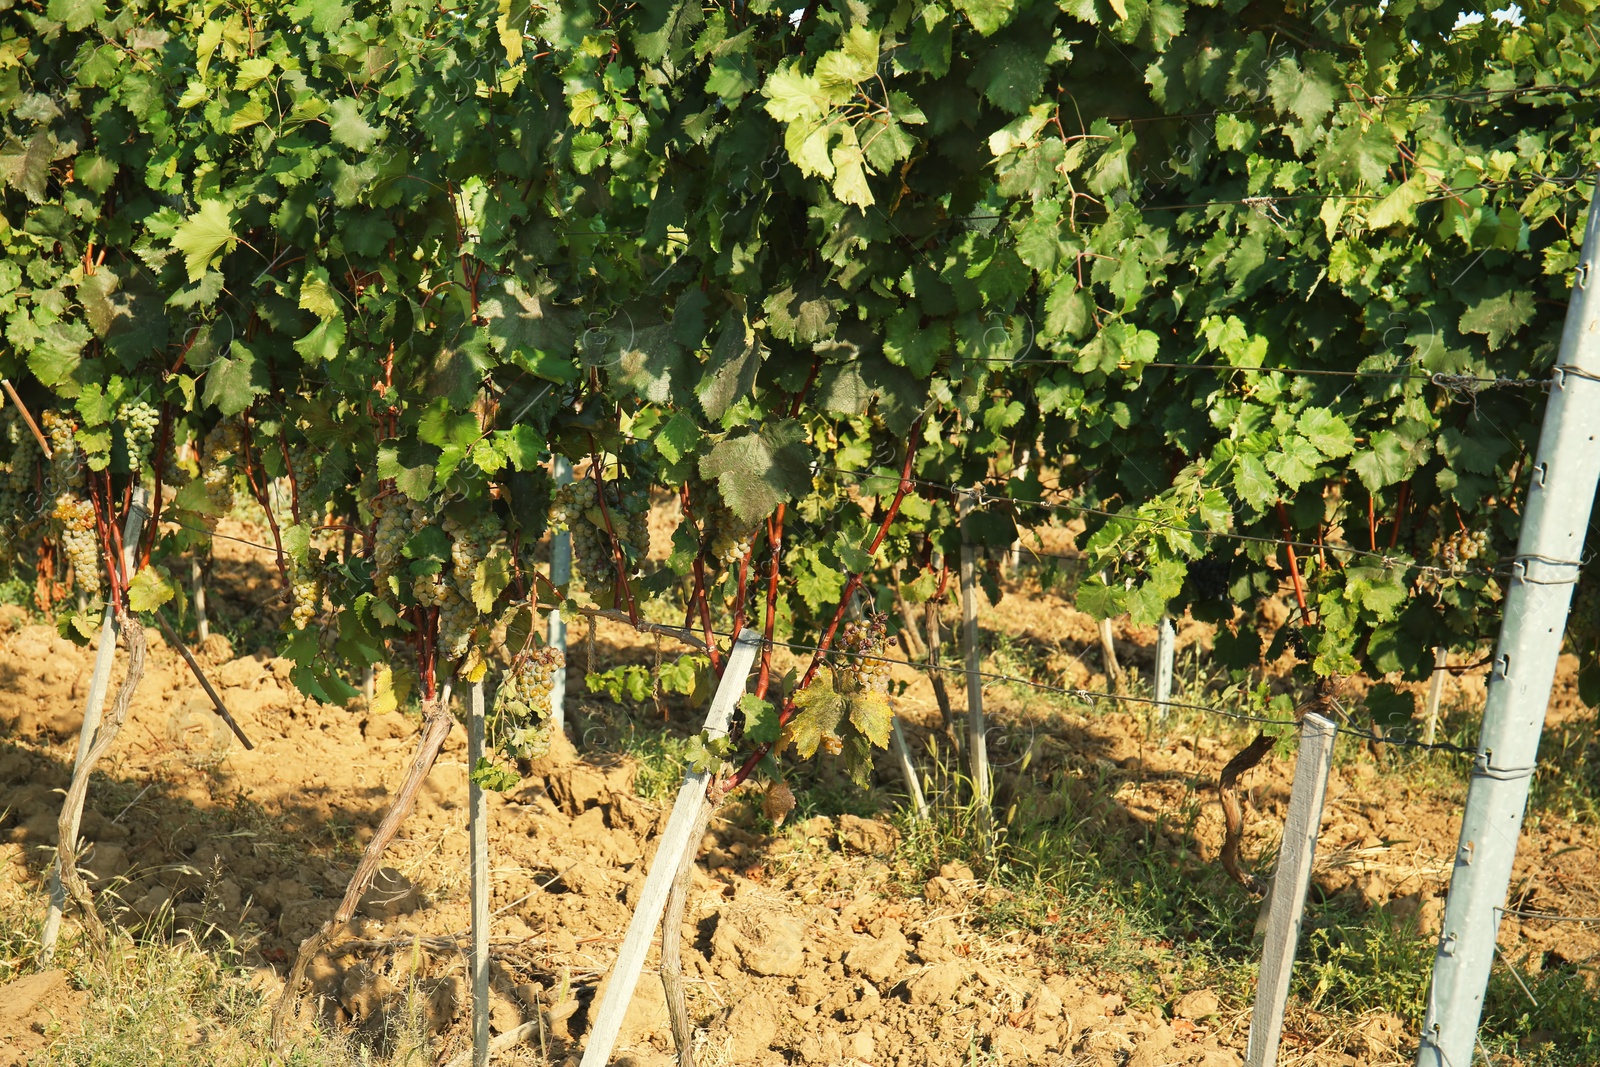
(1166, 654)
(908, 768)
(1435, 691)
(674, 840)
(93, 706)
(197, 596)
(1108, 656)
(1287, 899)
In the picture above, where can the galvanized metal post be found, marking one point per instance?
(478, 862)
(1555, 519)
(977, 729)
(560, 574)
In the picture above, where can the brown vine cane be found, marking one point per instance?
(437, 721)
(1227, 789)
(105, 736)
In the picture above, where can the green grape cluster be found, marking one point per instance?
(521, 714)
(1462, 547)
(730, 541)
(139, 421)
(458, 613)
(222, 444)
(399, 518)
(305, 589)
(66, 466)
(17, 467)
(457, 618)
(576, 507)
(79, 541)
(863, 648)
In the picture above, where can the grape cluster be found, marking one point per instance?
(305, 588)
(224, 442)
(729, 546)
(139, 421)
(66, 465)
(521, 712)
(1462, 547)
(575, 507)
(458, 612)
(398, 519)
(863, 646)
(78, 540)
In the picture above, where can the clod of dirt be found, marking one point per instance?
(881, 961)
(867, 835)
(390, 894)
(936, 985)
(1198, 1005)
(1047, 1005)
(646, 1016)
(752, 1026)
(767, 943)
(30, 1007)
(1153, 1050)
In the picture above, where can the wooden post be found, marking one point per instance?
(1435, 690)
(1166, 653)
(1108, 656)
(674, 840)
(977, 728)
(908, 768)
(478, 837)
(1287, 899)
(197, 596)
(93, 705)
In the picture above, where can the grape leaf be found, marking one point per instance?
(756, 472)
(149, 589)
(203, 235)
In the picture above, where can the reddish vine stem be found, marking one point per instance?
(788, 710)
(775, 547)
(1294, 563)
(703, 601)
(1400, 513)
(1372, 523)
(700, 600)
(97, 503)
(616, 546)
(743, 591)
(260, 493)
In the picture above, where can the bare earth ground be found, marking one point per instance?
(837, 939)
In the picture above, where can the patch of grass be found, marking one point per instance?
(1551, 1019)
(1356, 963)
(662, 757)
(189, 1001)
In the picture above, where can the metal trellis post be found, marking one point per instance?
(560, 574)
(1555, 520)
